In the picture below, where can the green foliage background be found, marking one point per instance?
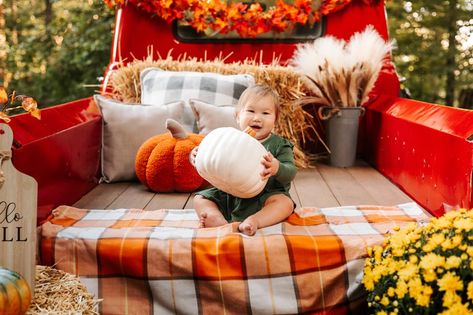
(420, 29)
(54, 61)
(54, 50)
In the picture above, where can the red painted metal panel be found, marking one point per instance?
(61, 151)
(425, 149)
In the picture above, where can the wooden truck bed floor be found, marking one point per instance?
(322, 186)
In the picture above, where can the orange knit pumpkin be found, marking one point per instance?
(162, 162)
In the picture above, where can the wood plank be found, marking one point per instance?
(378, 186)
(345, 187)
(168, 201)
(312, 189)
(102, 196)
(135, 196)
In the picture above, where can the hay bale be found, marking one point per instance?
(58, 292)
(294, 123)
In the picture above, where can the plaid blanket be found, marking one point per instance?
(143, 262)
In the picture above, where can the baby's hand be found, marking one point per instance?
(271, 166)
(192, 155)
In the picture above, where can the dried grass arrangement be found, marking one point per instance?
(57, 292)
(294, 123)
(339, 73)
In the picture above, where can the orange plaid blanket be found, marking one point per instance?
(144, 262)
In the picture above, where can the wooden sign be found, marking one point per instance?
(18, 206)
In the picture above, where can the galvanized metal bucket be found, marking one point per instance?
(342, 133)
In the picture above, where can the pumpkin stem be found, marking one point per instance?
(176, 129)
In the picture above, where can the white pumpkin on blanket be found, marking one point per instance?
(230, 160)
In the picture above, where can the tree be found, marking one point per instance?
(55, 47)
(432, 52)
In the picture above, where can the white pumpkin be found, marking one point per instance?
(230, 160)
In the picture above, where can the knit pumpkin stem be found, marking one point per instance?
(176, 129)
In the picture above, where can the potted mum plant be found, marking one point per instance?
(424, 270)
(340, 75)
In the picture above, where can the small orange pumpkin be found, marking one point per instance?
(15, 293)
(162, 162)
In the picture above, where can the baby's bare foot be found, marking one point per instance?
(248, 227)
(206, 220)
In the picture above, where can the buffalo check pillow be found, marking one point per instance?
(160, 87)
(124, 128)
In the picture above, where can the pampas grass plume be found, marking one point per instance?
(340, 73)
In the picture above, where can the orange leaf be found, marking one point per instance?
(35, 113)
(12, 96)
(4, 117)
(3, 95)
(29, 104)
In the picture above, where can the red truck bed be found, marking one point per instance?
(425, 149)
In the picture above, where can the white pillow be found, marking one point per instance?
(125, 128)
(160, 87)
(209, 117)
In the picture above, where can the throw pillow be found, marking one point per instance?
(125, 128)
(160, 87)
(209, 117)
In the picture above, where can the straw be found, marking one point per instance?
(58, 292)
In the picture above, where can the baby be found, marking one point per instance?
(257, 108)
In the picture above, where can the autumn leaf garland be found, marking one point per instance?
(7, 104)
(247, 19)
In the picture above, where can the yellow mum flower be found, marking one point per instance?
(378, 251)
(452, 215)
(432, 261)
(384, 301)
(456, 240)
(401, 289)
(368, 282)
(408, 272)
(453, 262)
(423, 298)
(448, 244)
(469, 290)
(415, 286)
(442, 222)
(450, 282)
(381, 313)
(437, 239)
(429, 275)
(450, 298)
(458, 308)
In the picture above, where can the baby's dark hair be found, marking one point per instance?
(258, 91)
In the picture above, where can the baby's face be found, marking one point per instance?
(259, 115)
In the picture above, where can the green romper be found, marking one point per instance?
(236, 209)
